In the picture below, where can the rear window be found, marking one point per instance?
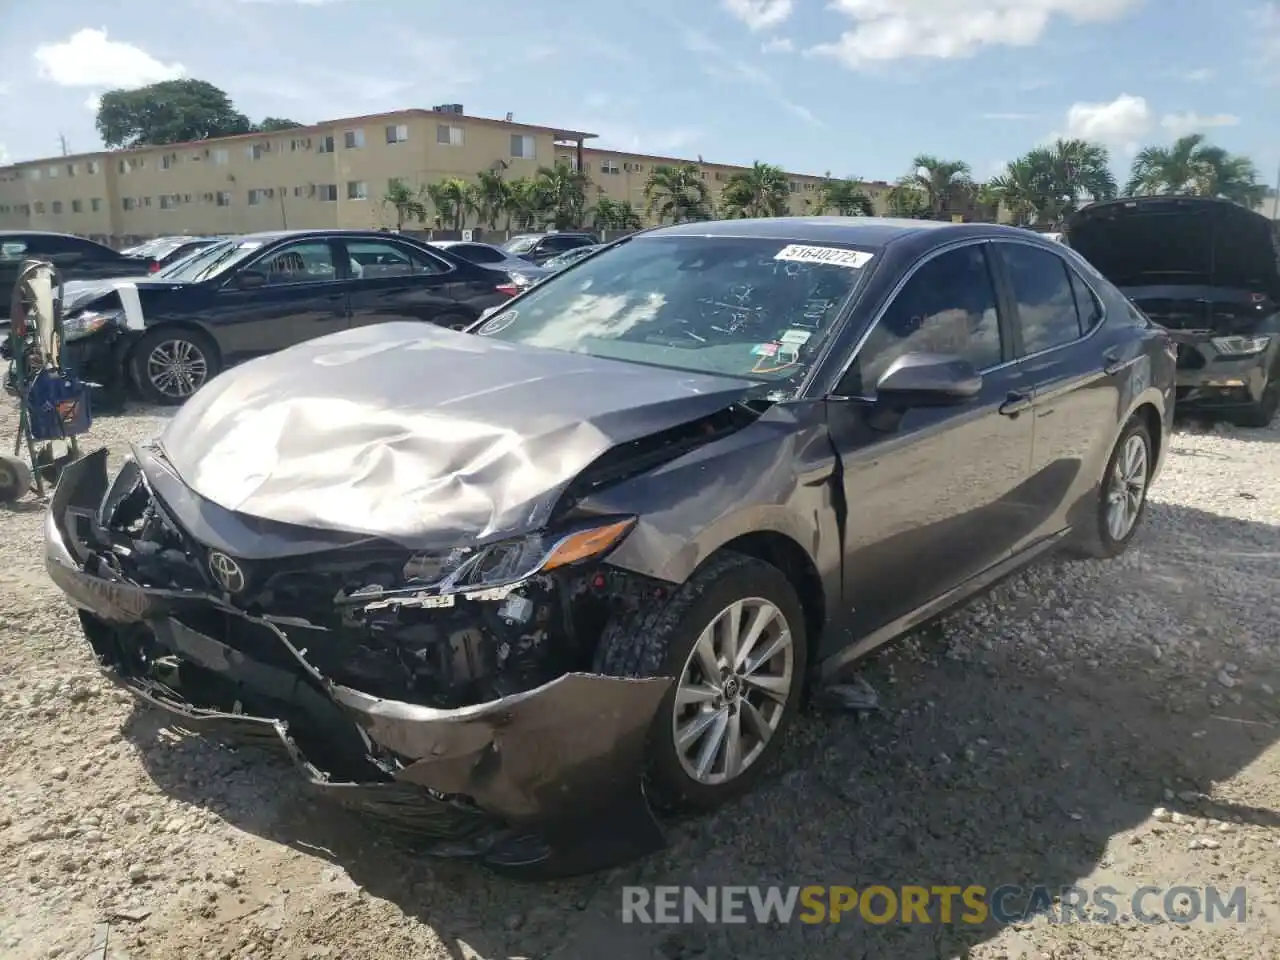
(520, 244)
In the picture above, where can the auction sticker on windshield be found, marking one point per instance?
(853, 259)
(499, 323)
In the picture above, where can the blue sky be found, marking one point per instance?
(854, 87)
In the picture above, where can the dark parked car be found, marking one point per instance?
(166, 250)
(538, 248)
(75, 257)
(1209, 270)
(521, 271)
(490, 584)
(247, 296)
(568, 259)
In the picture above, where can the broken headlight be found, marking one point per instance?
(1240, 346)
(88, 322)
(509, 561)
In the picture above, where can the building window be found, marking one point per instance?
(397, 132)
(34, 173)
(328, 192)
(357, 190)
(609, 166)
(39, 206)
(168, 161)
(76, 206)
(522, 147)
(128, 203)
(95, 205)
(353, 139)
(258, 151)
(71, 169)
(57, 206)
(299, 143)
(168, 201)
(326, 145)
(261, 195)
(53, 173)
(448, 134)
(91, 166)
(224, 198)
(220, 157)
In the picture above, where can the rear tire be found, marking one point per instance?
(15, 479)
(1122, 490)
(169, 364)
(731, 725)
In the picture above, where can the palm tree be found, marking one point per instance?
(939, 180)
(1020, 191)
(564, 193)
(1050, 183)
(845, 197)
(1191, 166)
(526, 204)
(610, 214)
(762, 191)
(401, 197)
(677, 194)
(453, 199)
(908, 200)
(492, 197)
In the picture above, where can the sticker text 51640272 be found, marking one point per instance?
(836, 256)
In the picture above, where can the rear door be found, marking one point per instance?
(395, 281)
(305, 296)
(1075, 367)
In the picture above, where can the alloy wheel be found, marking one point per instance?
(177, 368)
(1127, 488)
(733, 691)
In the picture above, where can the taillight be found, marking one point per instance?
(510, 289)
(155, 267)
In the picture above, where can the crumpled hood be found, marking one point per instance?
(1186, 241)
(418, 434)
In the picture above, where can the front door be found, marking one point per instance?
(934, 494)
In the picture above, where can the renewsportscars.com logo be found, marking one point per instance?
(973, 904)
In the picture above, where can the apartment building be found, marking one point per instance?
(332, 174)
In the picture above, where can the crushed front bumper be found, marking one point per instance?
(547, 781)
(1207, 380)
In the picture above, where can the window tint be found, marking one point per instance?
(374, 259)
(1041, 286)
(562, 243)
(298, 263)
(948, 306)
(1087, 305)
(478, 253)
(12, 250)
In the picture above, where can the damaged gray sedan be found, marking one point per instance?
(518, 588)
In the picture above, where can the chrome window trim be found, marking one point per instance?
(1102, 303)
(897, 290)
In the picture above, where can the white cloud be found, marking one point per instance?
(760, 14)
(777, 45)
(885, 30)
(4, 155)
(89, 59)
(1122, 123)
(1180, 124)
(93, 102)
(719, 64)
(1198, 76)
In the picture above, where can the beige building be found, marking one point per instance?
(332, 174)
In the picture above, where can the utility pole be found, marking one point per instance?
(62, 142)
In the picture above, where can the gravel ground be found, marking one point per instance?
(1087, 723)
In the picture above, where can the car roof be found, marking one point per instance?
(268, 236)
(857, 231)
(42, 233)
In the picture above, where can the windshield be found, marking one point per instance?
(209, 261)
(743, 307)
(520, 244)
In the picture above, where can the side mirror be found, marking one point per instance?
(929, 380)
(250, 279)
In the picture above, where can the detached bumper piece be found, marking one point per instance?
(546, 782)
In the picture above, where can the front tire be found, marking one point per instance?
(1121, 497)
(1259, 415)
(169, 364)
(733, 636)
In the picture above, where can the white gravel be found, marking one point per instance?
(1086, 723)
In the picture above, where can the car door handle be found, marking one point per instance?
(1015, 403)
(1112, 362)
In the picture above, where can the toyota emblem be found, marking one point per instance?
(226, 572)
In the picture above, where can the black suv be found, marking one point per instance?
(541, 247)
(1208, 271)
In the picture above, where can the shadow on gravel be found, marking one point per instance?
(997, 772)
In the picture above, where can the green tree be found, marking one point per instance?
(1192, 166)
(941, 181)
(492, 198)
(452, 199)
(563, 191)
(526, 204)
(846, 197)
(406, 203)
(270, 124)
(908, 201)
(1049, 183)
(172, 111)
(677, 193)
(762, 191)
(1019, 192)
(610, 214)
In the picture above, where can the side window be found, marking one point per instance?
(481, 254)
(375, 259)
(298, 263)
(12, 250)
(559, 244)
(948, 306)
(1087, 305)
(1041, 286)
